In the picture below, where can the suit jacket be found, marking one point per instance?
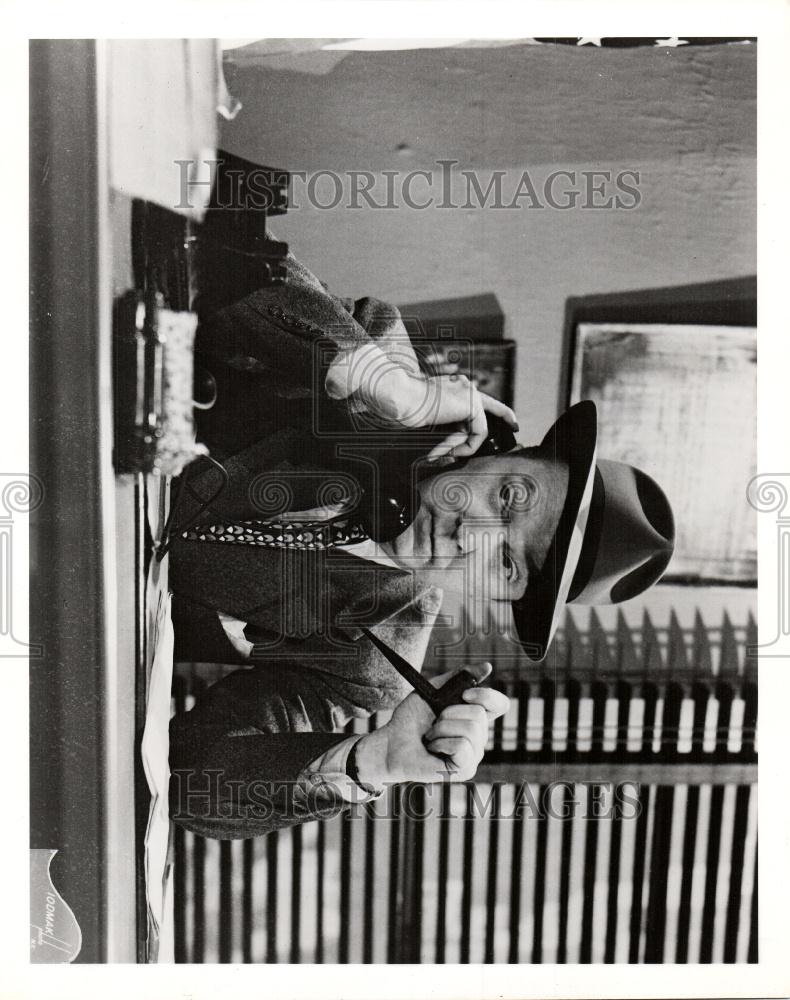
(282, 440)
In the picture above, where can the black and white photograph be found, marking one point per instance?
(392, 509)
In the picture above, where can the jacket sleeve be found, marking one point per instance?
(239, 758)
(285, 335)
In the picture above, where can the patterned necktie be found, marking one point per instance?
(280, 534)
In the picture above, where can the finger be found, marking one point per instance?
(493, 702)
(476, 434)
(475, 730)
(459, 754)
(499, 409)
(460, 749)
(472, 712)
(462, 728)
(449, 445)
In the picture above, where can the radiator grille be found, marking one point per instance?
(659, 728)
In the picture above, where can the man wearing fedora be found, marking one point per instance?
(361, 496)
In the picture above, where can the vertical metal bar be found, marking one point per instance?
(540, 881)
(753, 955)
(442, 875)
(684, 909)
(180, 858)
(635, 925)
(749, 692)
(369, 886)
(612, 888)
(565, 872)
(515, 880)
(411, 873)
(320, 851)
(491, 874)
(179, 895)
(272, 843)
(736, 872)
(590, 854)
(246, 901)
(198, 899)
(466, 893)
(712, 867)
(296, 895)
(345, 888)
(659, 868)
(225, 902)
(393, 944)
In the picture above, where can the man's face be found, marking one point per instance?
(483, 530)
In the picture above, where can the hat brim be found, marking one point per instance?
(572, 440)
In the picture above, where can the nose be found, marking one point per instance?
(465, 539)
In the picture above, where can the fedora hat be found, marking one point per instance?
(614, 538)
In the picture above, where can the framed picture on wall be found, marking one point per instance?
(673, 375)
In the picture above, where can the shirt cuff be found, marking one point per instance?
(234, 630)
(329, 771)
(353, 369)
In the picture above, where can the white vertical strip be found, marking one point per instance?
(711, 722)
(309, 881)
(528, 870)
(625, 888)
(211, 898)
(284, 900)
(454, 875)
(584, 725)
(430, 868)
(510, 726)
(723, 872)
(685, 725)
(675, 871)
(480, 848)
(117, 738)
(735, 735)
(504, 875)
(332, 885)
(559, 727)
(237, 892)
(535, 724)
(611, 711)
(189, 891)
(551, 910)
(658, 721)
(699, 872)
(576, 873)
(636, 723)
(601, 890)
(747, 884)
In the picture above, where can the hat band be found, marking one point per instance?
(592, 539)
